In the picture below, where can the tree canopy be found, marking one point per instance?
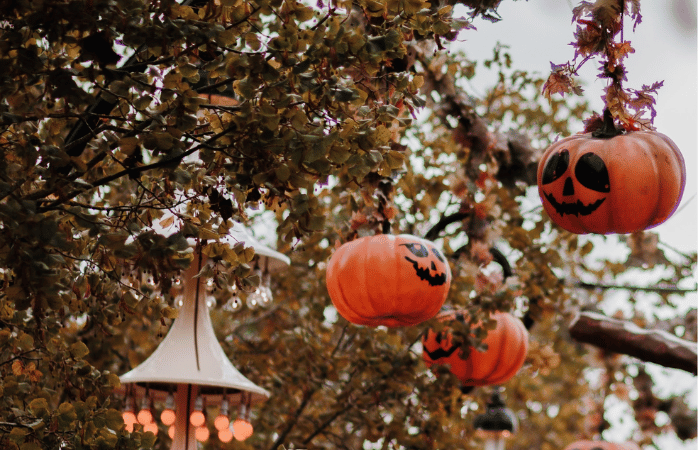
(317, 122)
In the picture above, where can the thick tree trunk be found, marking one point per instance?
(619, 336)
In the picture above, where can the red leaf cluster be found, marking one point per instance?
(598, 25)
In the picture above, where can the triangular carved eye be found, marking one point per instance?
(556, 166)
(417, 250)
(591, 173)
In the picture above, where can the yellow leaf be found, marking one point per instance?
(17, 367)
(167, 222)
(418, 81)
(382, 134)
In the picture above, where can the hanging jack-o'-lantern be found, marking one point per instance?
(622, 184)
(601, 445)
(388, 280)
(507, 346)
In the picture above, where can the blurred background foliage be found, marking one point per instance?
(316, 123)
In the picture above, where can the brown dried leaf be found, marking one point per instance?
(17, 367)
(618, 51)
(581, 10)
(358, 219)
(588, 39)
(480, 253)
(634, 6)
(593, 123)
(561, 82)
(606, 13)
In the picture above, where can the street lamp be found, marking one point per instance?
(496, 424)
(189, 371)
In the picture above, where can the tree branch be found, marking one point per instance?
(445, 221)
(296, 415)
(657, 289)
(517, 158)
(618, 336)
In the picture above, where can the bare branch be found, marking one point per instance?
(657, 289)
(619, 336)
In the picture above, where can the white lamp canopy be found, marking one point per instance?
(190, 365)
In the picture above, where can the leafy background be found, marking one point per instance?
(328, 133)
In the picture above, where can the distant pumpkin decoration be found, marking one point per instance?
(507, 346)
(601, 445)
(391, 280)
(621, 184)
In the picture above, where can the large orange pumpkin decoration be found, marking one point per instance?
(601, 445)
(507, 346)
(603, 185)
(388, 280)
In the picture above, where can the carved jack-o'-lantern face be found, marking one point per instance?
(588, 180)
(507, 346)
(388, 280)
(424, 266)
(623, 184)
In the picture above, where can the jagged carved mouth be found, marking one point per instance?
(573, 208)
(424, 274)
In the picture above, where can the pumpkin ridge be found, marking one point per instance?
(652, 156)
(343, 299)
(666, 188)
(368, 261)
(682, 168)
(646, 182)
(348, 303)
(370, 283)
(523, 344)
(469, 366)
(500, 366)
(521, 351)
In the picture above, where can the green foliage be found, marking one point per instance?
(302, 115)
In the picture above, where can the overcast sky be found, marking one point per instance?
(539, 32)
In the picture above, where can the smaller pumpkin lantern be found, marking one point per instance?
(601, 445)
(507, 346)
(388, 280)
(593, 183)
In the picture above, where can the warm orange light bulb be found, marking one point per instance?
(167, 417)
(222, 422)
(144, 416)
(225, 435)
(129, 417)
(171, 431)
(197, 418)
(129, 420)
(242, 429)
(152, 427)
(201, 434)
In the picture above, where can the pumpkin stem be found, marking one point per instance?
(385, 226)
(608, 130)
(385, 191)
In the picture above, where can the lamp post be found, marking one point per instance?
(189, 372)
(496, 424)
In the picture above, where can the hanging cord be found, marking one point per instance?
(196, 311)
(385, 188)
